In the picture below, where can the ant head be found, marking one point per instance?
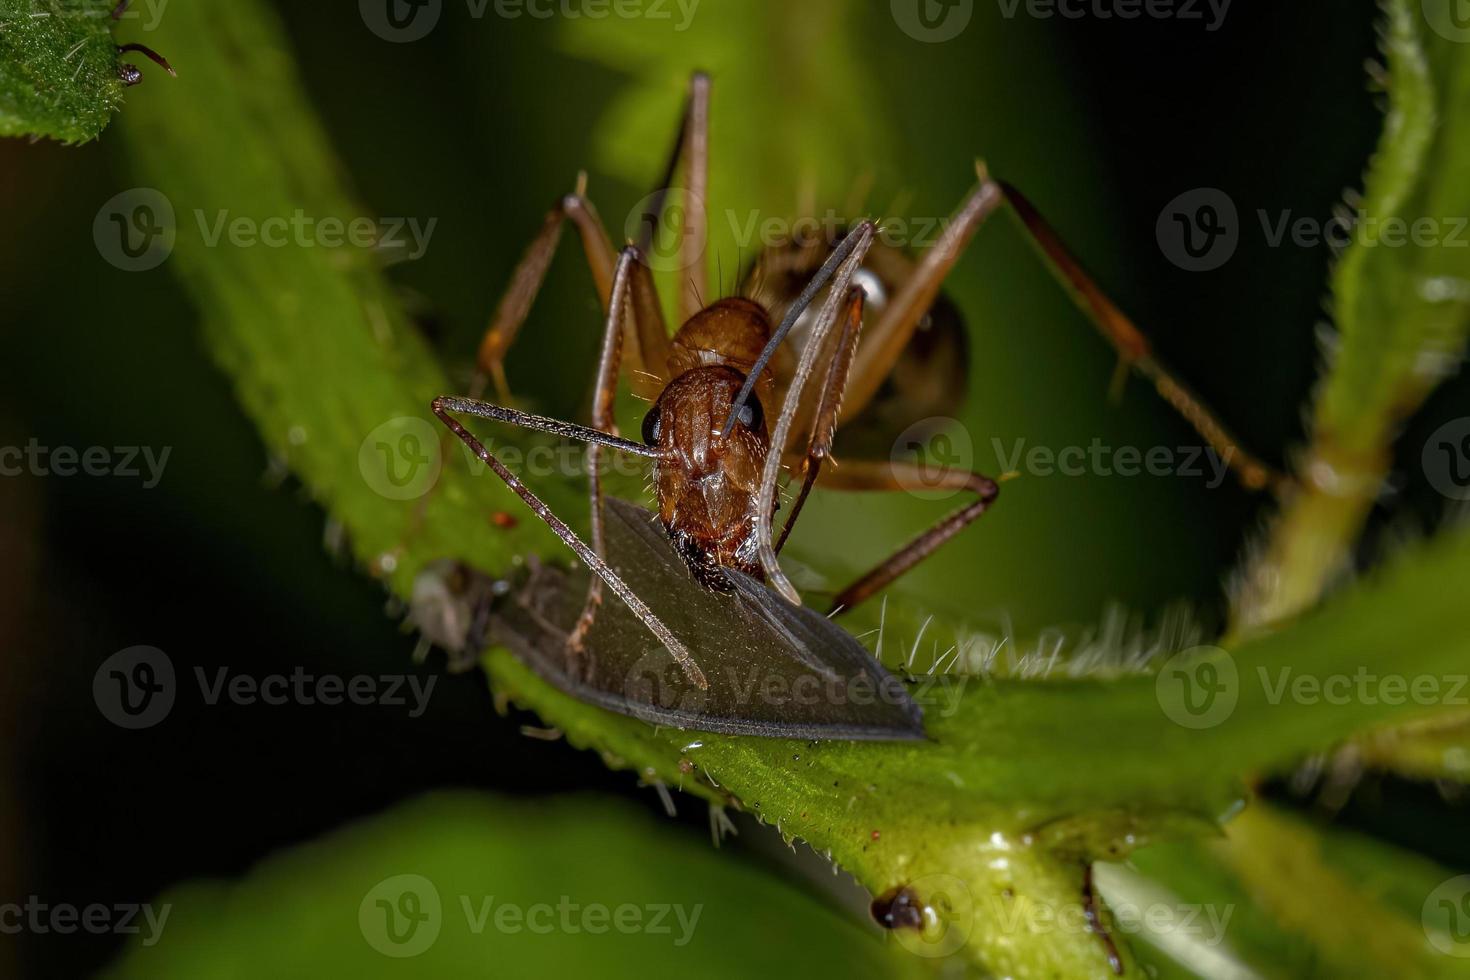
(707, 483)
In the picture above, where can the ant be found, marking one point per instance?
(716, 463)
(129, 73)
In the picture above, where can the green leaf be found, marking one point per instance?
(1401, 294)
(1295, 899)
(58, 68)
(1023, 781)
(1401, 308)
(504, 887)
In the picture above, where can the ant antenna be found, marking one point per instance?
(820, 280)
(129, 73)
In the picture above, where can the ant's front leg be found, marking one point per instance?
(824, 424)
(530, 272)
(604, 396)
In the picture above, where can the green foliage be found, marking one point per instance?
(501, 884)
(58, 69)
(1358, 904)
(1023, 782)
(1401, 306)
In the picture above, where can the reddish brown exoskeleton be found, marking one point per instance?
(717, 463)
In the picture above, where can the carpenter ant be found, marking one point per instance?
(716, 460)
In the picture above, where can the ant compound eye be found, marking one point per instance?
(750, 415)
(652, 426)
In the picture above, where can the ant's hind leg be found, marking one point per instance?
(885, 340)
(1134, 349)
(872, 476)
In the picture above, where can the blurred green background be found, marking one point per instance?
(481, 125)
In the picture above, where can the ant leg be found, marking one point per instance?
(856, 247)
(530, 272)
(445, 404)
(691, 146)
(648, 354)
(887, 338)
(819, 447)
(1134, 350)
(604, 393)
(860, 476)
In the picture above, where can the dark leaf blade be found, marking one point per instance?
(774, 670)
